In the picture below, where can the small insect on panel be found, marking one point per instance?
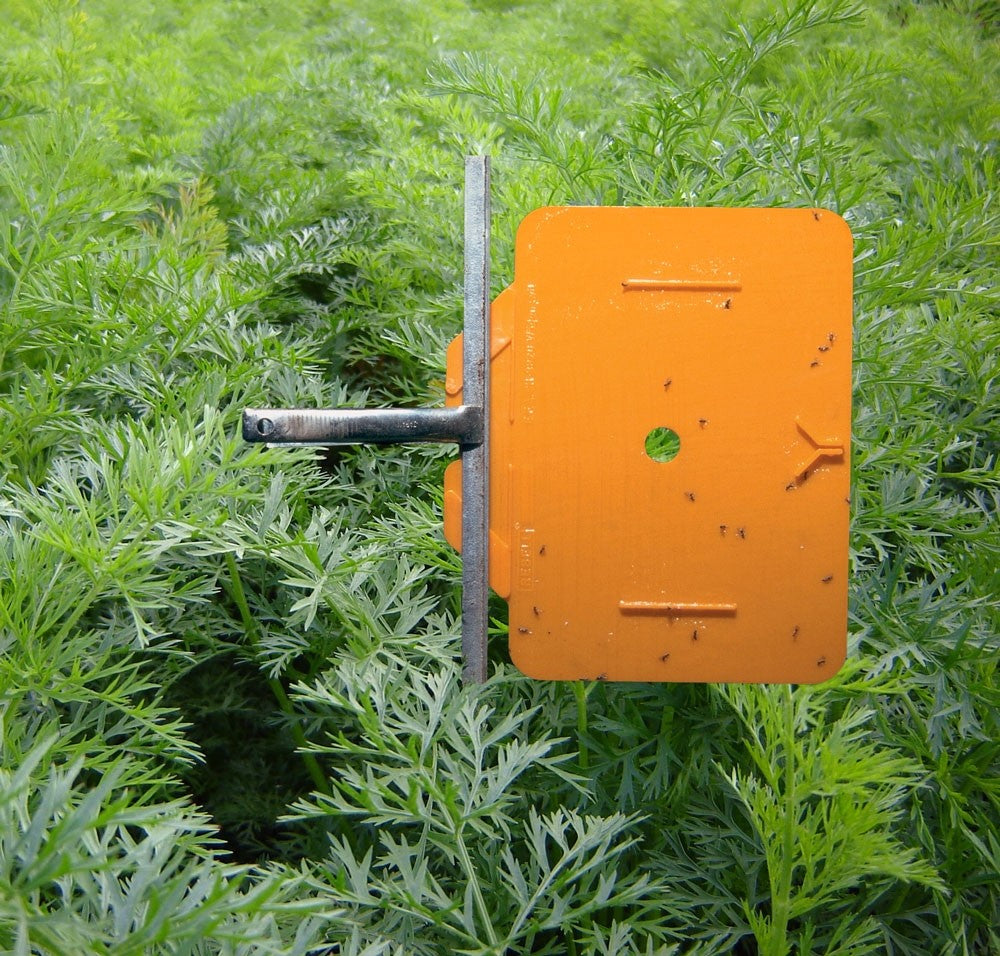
(677, 431)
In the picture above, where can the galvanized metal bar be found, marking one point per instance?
(348, 426)
(476, 393)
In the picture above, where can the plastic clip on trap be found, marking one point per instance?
(657, 477)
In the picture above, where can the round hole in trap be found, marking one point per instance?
(663, 444)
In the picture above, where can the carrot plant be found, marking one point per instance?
(231, 715)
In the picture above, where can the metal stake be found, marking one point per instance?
(476, 392)
(467, 424)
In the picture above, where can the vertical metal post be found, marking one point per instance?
(476, 392)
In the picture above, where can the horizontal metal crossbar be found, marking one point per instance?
(351, 426)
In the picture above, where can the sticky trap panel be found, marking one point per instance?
(670, 429)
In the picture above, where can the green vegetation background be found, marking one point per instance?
(230, 708)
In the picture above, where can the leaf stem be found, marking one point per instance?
(781, 890)
(580, 691)
(310, 762)
(477, 892)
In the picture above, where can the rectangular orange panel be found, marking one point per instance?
(624, 555)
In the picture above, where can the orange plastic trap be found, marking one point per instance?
(654, 425)
(728, 329)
